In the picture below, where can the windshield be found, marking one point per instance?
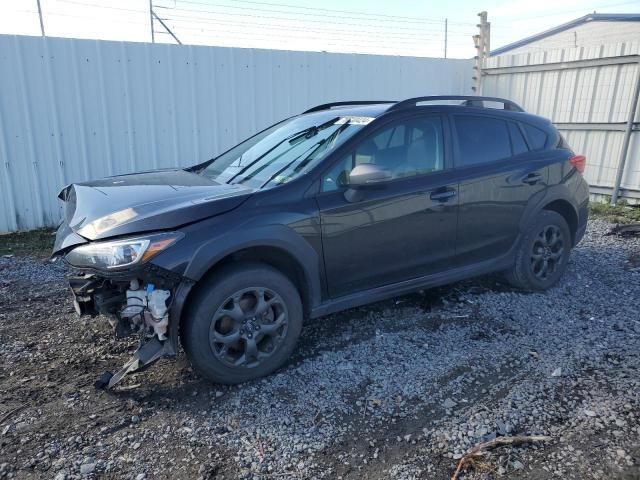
(283, 151)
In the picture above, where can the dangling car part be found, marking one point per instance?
(625, 229)
(129, 298)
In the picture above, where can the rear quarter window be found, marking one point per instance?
(517, 139)
(562, 143)
(536, 138)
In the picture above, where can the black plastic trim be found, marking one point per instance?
(401, 288)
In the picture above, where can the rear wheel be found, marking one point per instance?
(543, 253)
(243, 324)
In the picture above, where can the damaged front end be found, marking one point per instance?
(135, 308)
(114, 278)
(145, 302)
(118, 235)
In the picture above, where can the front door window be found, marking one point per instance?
(412, 147)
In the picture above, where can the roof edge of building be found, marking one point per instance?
(592, 17)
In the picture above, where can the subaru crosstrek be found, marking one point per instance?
(343, 205)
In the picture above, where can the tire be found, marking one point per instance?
(227, 319)
(547, 238)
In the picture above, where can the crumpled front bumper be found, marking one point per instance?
(97, 293)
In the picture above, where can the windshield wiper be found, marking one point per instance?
(312, 131)
(290, 138)
(314, 149)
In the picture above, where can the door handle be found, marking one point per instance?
(532, 178)
(442, 195)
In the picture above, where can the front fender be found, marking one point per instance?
(277, 236)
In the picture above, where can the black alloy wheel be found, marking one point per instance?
(547, 252)
(542, 253)
(248, 327)
(243, 323)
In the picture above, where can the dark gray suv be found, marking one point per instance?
(345, 204)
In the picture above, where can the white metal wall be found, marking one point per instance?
(589, 34)
(590, 104)
(72, 110)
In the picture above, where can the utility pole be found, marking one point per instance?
(487, 36)
(153, 37)
(446, 20)
(41, 21)
(482, 45)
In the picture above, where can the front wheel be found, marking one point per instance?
(543, 253)
(243, 324)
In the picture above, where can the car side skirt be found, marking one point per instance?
(401, 288)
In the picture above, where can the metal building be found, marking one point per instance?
(72, 110)
(585, 76)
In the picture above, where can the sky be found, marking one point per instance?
(398, 27)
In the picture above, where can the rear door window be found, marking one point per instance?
(481, 139)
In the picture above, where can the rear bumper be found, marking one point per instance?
(583, 217)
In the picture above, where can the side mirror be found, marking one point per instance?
(365, 176)
(368, 174)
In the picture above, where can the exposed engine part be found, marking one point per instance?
(146, 310)
(83, 287)
(108, 301)
(159, 316)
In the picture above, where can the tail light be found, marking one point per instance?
(579, 162)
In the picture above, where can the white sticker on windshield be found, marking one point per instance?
(354, 120)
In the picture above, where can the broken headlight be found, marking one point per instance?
(120, 253)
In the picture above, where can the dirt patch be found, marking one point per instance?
(399, 389)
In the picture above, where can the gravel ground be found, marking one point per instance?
(399, 389)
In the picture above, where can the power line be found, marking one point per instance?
(343, 11)
(95, 5)
(406, 36)
(361, 15)
(377, 38)
(424, 33)
(324, 22)
(34, 12)
(153, 14)
(110, 7)
(258, 36)
(346, 39)
(193, 2)
(70, 15)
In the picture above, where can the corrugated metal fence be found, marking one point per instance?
(587, 92)
(71, 110)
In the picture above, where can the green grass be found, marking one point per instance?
(621, 213)
(36, 243)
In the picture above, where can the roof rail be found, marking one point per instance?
(469, 101)
(327, 106)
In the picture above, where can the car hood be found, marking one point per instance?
(142, 202)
